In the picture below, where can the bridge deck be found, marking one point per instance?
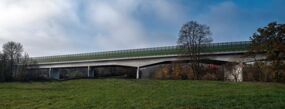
(156, 51)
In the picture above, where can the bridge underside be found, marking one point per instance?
(138, 63)
(146, 61)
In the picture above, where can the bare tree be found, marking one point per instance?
(14, 63)
(2, 67)
(22, 70)
(13, 50)
(192, 37)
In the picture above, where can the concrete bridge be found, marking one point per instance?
(214, 53)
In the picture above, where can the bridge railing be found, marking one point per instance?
(156, 51)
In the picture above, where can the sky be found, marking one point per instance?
(56, 27)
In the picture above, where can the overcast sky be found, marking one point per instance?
(53, 27)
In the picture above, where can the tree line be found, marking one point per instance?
(268, 41)
(14, 62)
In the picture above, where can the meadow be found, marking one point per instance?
(141, 94)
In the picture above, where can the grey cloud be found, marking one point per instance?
(50, 27)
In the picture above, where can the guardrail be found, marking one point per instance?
(156, 51)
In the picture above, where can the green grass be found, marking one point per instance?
(141, 94)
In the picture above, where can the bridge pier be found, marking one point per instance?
(49, 72)
(138, 73)
(88, 71)
(233, 72)
(54, 73)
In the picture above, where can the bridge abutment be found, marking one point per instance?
(233, 72)
(54, 74)
(138, 73)
(88, 71)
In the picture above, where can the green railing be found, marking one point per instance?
(157, 51)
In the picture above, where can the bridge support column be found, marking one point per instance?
(54, 73)
(233, 72)
(138, 73)
(49, 72)
(88, 71)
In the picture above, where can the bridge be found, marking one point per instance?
(213, 53)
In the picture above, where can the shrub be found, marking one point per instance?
(261, 71)
(209, 76)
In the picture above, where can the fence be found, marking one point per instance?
(156, 51)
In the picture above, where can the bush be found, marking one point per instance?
(261, 71)
(209, 76)
(178, 71)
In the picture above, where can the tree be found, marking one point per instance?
(2, 67)
(4, 70)
(270, 40)
(14, 63)
(192, 37)
(22, 70)
(13, 51)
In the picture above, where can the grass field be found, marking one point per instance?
(141, 94)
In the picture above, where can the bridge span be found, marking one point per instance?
(214, 53)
